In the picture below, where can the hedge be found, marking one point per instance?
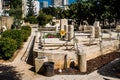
(7, 47)
(25, 34)
(11, 40)
(28, 28)
(31, 19)
(16, 35)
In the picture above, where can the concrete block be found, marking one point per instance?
(39, 61)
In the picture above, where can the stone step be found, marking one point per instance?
(57, 45)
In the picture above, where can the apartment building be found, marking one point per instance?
(25, 7)
(36, 7)
(44, 4)
(4, 6)
(60, 3)
(0, 7)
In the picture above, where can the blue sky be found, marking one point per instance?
(49, 1)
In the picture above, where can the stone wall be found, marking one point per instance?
(106, 49)
(60, 58)
(6, 21)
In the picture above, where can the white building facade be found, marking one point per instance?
(57, 3)
(36, 7)
(60, 3)
(0, 7)
(44, 4)
(65, 2)
(25, 7)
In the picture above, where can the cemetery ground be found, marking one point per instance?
(21, 69)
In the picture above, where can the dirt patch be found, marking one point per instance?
(112, 69)
(100, 61)
(93, 65)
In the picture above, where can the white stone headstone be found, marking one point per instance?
(63, 22)
(97, 29)
(96, 24)
(71, 32)
(93, 32)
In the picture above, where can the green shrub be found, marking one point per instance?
(58, 35)
(50, 35)
(31, 19)
(25, 34)
(16, 35)
(6, 33)
(11, 40)
(7, 47)
(28, 28)
(43, 19)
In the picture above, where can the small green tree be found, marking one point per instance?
(31, 19)
(30, 4)
(44, 19)
(15, 8)
(7, 47)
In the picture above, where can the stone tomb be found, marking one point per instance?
(63, 52)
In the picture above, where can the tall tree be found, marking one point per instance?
(30, 4)
(16, 8)
(15, 4)
(73, 10)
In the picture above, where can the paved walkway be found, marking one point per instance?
(26, 70)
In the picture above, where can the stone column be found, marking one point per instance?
(39, 61)
(84, 28)
(82, 63)
(71, 32)
(63, 22)
(97, 29)
(67, 31)
(64, 26)
(93, 32)
(57, 29)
